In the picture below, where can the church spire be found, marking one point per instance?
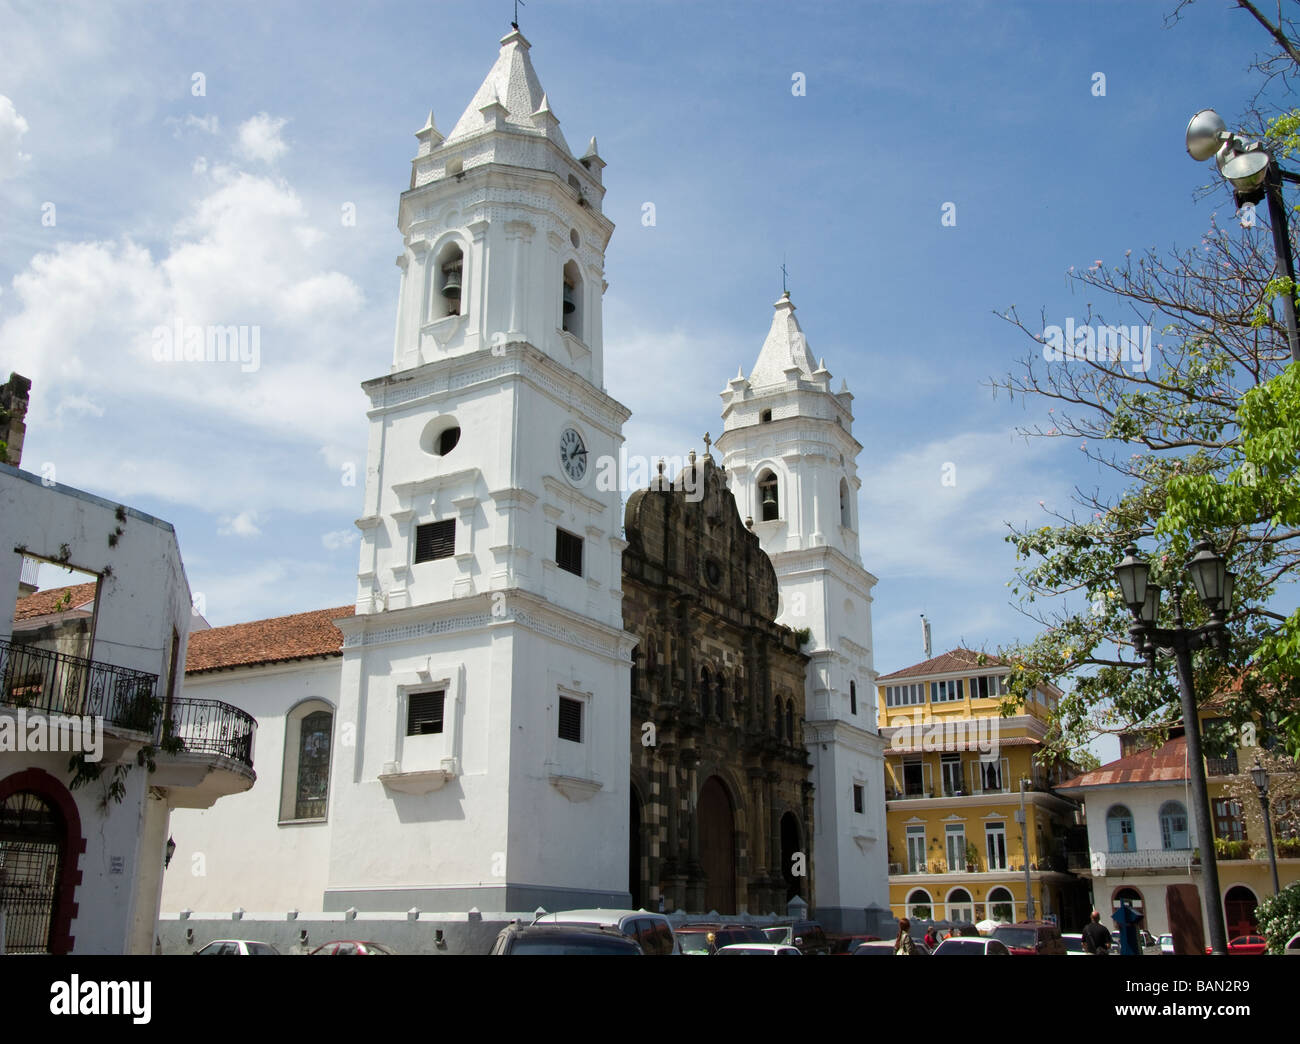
(785, 350)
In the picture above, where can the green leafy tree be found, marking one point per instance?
(1278, 917)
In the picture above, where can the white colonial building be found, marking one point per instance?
(792, 463)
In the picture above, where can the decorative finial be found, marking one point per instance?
(692, 458)
(661, 467)
(749, 521)
(707, 443)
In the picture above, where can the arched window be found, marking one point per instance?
(304, 790)
(1002, 907)
(1119, 829)
(846, 511)
(769, 508)
(706, 690)
(572, 300)
(919, 905)
(1173, 827)
(446, 276)
(1239, 905)
(961, 909)
(789, 720)
(853, 697)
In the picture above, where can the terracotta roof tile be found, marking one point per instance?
(1168, 764)
(267, 641)
(43, 603)
(947, 663)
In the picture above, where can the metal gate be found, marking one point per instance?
(31, 858)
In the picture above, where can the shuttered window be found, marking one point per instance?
(435, 540)
(568, 552)
(570, 720)
(424, 713)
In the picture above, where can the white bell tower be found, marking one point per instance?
(791, 462)
(486, 671)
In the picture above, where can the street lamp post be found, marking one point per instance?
(1254, 174)
(1214, 586)
(1030, 909)
(1259, 775)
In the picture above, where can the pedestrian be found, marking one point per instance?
(930, 941)
(1126, 923)
(903, 945)
(1096, 937)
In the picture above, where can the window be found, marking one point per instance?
(789, 720)
(1286, 817)
(1228, 823)
(706, 687)
(568, 552)
(955, 840)
(979, 688)
(916, 850)
(768, 505)
(1001, 905)
(950, 771)
(424, 713)
(765, 417)
(995, 837)
(918, 905)
(992, 775)
(1119, 829)
(447, 440)
(853, 697)
(435, 540)
(313, 765)
(859, 798)
(571, 315)
(904, 695)
(960, 908)
(570, 720)
(1173, 827)
(946, 691)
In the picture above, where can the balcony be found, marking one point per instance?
(51, 682)
(1149, 860)
(1221, 766)
(207, 752)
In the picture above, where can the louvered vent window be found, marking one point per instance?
(568, 552)
(424, 713)
(570, 720)
(435, 540)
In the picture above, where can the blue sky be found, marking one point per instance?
(228, 205)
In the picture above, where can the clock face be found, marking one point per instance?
(573, 455)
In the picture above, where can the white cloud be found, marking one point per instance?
(77, 404)
(12, 129)
(259, 138)
(242, 525)
(338, 539)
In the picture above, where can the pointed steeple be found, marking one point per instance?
(785, 350)
(512, 94)
(429, 136)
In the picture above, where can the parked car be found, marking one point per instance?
(651, 930)
(1166, 943)
(808, 937)
(1074, 944)
(237, 948)
(706, 938)
(844, 945)
(965, 946)
(758, 950)
(1147, 942)
(1031, 937)
(1292, 947)
(351, 948)
(565, 940)
(885, 948)
(1247, 945)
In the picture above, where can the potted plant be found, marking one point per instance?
(972, 857)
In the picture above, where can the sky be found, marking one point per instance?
(165, 162)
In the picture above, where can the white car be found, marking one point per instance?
(651, 930)
(1292, 947)
(1074, 944)
(237, 948)
(757, 950)
(962, 945)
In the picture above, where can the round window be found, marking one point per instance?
(440, 436)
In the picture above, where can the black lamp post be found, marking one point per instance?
(1259, 774)
(1254, 175)
(1213, 584)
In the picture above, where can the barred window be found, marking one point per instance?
(435, 540)
(1228, 823)
(570, 720)
(568, 552)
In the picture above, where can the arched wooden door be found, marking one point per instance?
(31, 861)
(717, 846)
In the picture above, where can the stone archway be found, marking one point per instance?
(40, 847)
(1239, 904)
(717, 833)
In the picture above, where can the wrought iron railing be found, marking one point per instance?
(211, 727)
(1221, 766)
(56, 683)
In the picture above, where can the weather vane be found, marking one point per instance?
(518, 3)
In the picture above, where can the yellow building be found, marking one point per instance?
(953, 778)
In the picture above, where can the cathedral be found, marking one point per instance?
(538, 696)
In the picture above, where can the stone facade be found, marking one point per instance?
(721, 798)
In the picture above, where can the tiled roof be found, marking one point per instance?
(266, 641)
(1168, 764)
(947, 663)
(43, 603)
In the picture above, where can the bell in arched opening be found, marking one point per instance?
(569, 306)
(451, 280)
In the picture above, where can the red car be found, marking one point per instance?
(1246, 946)
(350, 948)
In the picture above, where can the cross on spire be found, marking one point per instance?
(784, 288)
(515, 23)
(707, 443)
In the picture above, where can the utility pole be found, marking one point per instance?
(1024, 852)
